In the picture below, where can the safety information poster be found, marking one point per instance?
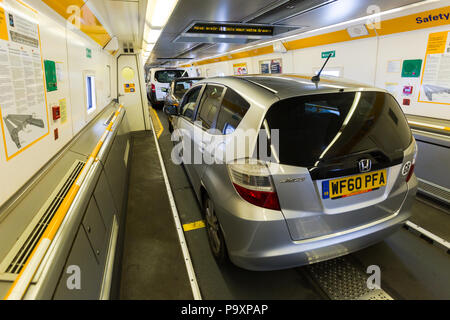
(435, 85)
(270, 66)
(23, 107)
(240, 68)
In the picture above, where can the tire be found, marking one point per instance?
(158, 105)
(215, 236)
(152, 100)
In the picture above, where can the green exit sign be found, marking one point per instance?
(88, 53)
(327, 53)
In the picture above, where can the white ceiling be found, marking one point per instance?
(121, 18)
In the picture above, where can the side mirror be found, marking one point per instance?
(171, 110)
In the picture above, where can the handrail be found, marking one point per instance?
(23, 280)
(428, 125)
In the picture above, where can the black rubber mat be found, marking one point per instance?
(153, 265)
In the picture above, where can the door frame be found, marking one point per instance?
(146, 123)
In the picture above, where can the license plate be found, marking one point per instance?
(353, 185)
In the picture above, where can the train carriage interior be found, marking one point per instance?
(225, 150)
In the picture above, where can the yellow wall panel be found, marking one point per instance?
(62, 6)
(324, 39)
(89, 23)
(3, 26)
(414, 21)
(437, 42)
(93, 28)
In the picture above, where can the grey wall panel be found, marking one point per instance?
(96, 231)
(54, 267)
(86, 142)
(82, 256)
(87, 226)
(433, 163)
(105, 201)
(16, 219)
(115, 168)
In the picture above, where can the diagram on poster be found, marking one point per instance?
(435, 85)
(23, 108)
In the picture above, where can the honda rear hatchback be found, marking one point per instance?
(302, 172)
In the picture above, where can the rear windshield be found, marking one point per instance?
(181, 87)
(167, 76)
(328, 126)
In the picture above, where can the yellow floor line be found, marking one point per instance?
(193, 226)
(156, 122)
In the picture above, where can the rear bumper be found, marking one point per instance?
(298, 254)
(266, 245)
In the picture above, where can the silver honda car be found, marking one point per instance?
(291, 172)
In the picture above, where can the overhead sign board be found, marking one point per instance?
(231, 29)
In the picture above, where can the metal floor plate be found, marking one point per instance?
(340, 279)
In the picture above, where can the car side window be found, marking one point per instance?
(210, 105)
(233, 109)
(188, 107)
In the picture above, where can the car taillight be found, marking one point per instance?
(411, 170)
(410, 173)
(153, 88)
(252, 180)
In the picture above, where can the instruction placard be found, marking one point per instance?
(240, 68)
(63, 106)
(129, 87)
(435, 84)
(23, 107)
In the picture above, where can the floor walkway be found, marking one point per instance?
(153, 265)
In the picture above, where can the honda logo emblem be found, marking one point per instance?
(365, 165)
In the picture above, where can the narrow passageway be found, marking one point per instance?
(152, 266)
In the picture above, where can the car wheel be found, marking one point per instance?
(158, 105)
(215, 235)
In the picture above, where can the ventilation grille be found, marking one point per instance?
(29, 239)
(434, 191)
(128, 47)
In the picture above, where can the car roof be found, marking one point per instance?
(187, 78)
(166, 69)
(285, 86)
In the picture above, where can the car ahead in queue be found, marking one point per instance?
(175, 93)
(158, 83)
(295, 172)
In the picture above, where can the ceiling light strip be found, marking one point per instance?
(157, 14)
